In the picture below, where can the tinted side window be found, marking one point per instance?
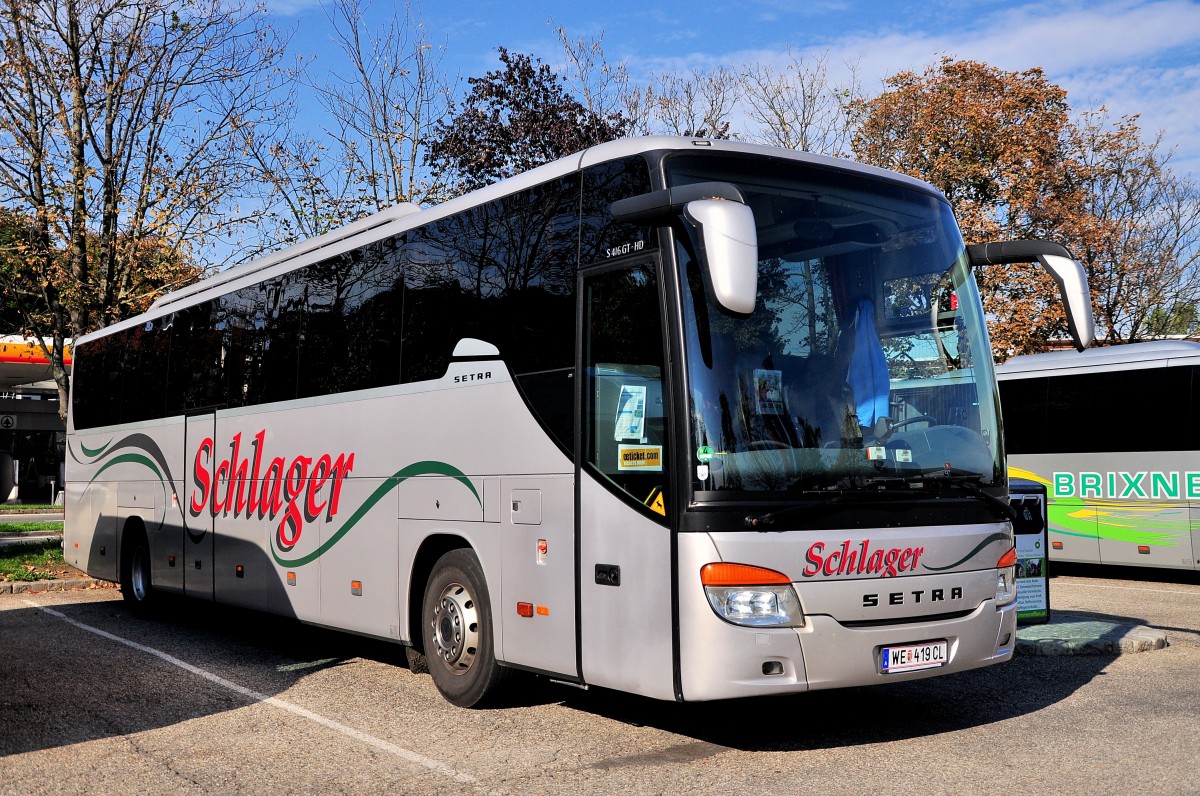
(602, 237)
(195, 376)
(503, 272)
(351, 315)
(1119, 411)
(96, 383)
(145, 353)
(1023, 403)
(241, 324)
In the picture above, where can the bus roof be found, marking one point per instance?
(1131, 356)
(399, 218)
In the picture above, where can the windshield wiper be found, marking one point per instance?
(888, 487)
(763, 522)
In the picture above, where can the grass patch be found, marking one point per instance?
(28, 508)
(41, 561)
(30, 527)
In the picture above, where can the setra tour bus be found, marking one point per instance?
(1122, 481)
(684, 418)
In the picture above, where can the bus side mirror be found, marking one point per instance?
(730, 250)
(728, 238)
(1067, 272)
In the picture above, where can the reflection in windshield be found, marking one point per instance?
(859, 365)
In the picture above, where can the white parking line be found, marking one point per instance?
(378, 743)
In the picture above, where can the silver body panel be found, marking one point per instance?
(839, 644)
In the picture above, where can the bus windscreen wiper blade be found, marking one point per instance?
(888, 487)
(764, 521)
(971, 485)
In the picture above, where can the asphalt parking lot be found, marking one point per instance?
(211, 700)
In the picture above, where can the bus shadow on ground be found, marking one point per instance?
(51, 696)
(865, 715)
(61, 685)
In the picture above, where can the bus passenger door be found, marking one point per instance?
(625, 551)
(199, 451)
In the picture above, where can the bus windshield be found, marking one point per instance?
(865, 364)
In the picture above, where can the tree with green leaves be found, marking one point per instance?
(121, 138)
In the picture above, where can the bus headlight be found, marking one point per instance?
(1006, 578)
(751, 596)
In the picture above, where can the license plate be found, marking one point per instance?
(911, 657)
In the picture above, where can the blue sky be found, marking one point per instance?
(1133, 56)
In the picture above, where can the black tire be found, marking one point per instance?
(137, 585)
(456, 626)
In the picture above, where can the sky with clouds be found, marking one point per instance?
(1131, 56)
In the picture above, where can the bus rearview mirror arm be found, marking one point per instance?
(1066, 271)
(728, 237)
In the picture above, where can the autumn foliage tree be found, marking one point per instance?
(1002, 148)
(121, 130)
(991, 141)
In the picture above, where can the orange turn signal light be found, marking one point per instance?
(1009, 559)
(740, 575)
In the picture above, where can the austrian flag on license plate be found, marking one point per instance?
(910, 657)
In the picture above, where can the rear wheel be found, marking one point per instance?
(456, 622)
(137, 587)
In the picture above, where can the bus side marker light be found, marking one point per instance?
(240, 571)
(1056, 545)
(1144, 549)
(356, 588)
(525, 609)
(543, 610)
(170, 560)
(101, 549)
(291, 578)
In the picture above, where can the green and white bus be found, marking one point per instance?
(1113, 434)
(684, 418)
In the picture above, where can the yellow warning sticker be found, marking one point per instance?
(639, 457)
(656, 501)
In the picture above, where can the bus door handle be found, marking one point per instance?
(608, 574)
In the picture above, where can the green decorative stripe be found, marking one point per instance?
(411, 471)
(128, 458)
(96, 452)
(996, 537)
(144, 461)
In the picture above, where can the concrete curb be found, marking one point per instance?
(1079, 636)
(64, 584)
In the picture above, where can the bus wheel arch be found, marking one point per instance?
(137, 582)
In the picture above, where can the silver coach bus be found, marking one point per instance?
(684, 418)
(1113, 435)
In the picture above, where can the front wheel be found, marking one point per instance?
(456, 626)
